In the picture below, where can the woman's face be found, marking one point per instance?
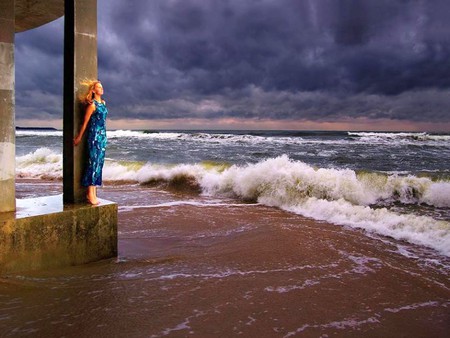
(98, 89)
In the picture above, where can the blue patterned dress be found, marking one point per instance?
(97, 145)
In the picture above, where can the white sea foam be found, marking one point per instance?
(43, 133)
(413, 306)
(129, 208)
(283, 181)
(438, 194)
(197, 137)
(401, 137)
(41, 163)
(142, 135)
(339, 196)
(230, 138)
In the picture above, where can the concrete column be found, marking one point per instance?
(7, 103)
(80, 63)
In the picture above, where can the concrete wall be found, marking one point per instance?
(7, 118)
(44, 234)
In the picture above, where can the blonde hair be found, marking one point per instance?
(87, 95)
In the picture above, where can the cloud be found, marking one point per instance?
(415, 106)
(319, 60)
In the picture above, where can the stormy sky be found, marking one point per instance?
(277, 64)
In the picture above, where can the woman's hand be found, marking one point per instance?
(89, 110)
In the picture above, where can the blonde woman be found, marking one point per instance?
(94, 123)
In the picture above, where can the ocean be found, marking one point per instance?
(249, 233)
(392, 184)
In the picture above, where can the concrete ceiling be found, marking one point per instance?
(34, 13)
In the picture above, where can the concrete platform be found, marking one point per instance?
(44, 233)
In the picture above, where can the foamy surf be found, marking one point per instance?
(40, 133)
(339, 196)
(42, 163)
(249, 138)
(401, 137)
(417, 138)
(130, 208)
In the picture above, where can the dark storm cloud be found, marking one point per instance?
(39, 72)
(321, 60)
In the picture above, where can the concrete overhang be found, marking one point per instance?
(34, 13)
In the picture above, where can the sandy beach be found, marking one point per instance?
(192, 266)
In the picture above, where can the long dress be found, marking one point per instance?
(97, 145)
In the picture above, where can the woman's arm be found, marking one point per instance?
(89, 110)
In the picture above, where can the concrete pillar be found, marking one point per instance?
(80, 63)
(7, 103)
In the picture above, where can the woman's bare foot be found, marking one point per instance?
(92, 195)
(93, 200)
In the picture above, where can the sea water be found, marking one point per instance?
(272, 233)
(389, 184)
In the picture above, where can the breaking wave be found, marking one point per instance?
(296, 138)
(400, 137)
(42, 163)
(416, 138)
(340, 196)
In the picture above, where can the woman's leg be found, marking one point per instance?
(92, 195)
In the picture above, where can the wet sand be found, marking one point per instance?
(193, 266)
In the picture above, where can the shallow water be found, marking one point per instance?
(190, 264)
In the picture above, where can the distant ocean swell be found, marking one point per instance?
(340, 196)
(300, 138)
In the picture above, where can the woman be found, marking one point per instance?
(94, 121)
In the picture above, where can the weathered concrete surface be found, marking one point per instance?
(43, 233)
(80, 63)
(34, 13)
(7, 118)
